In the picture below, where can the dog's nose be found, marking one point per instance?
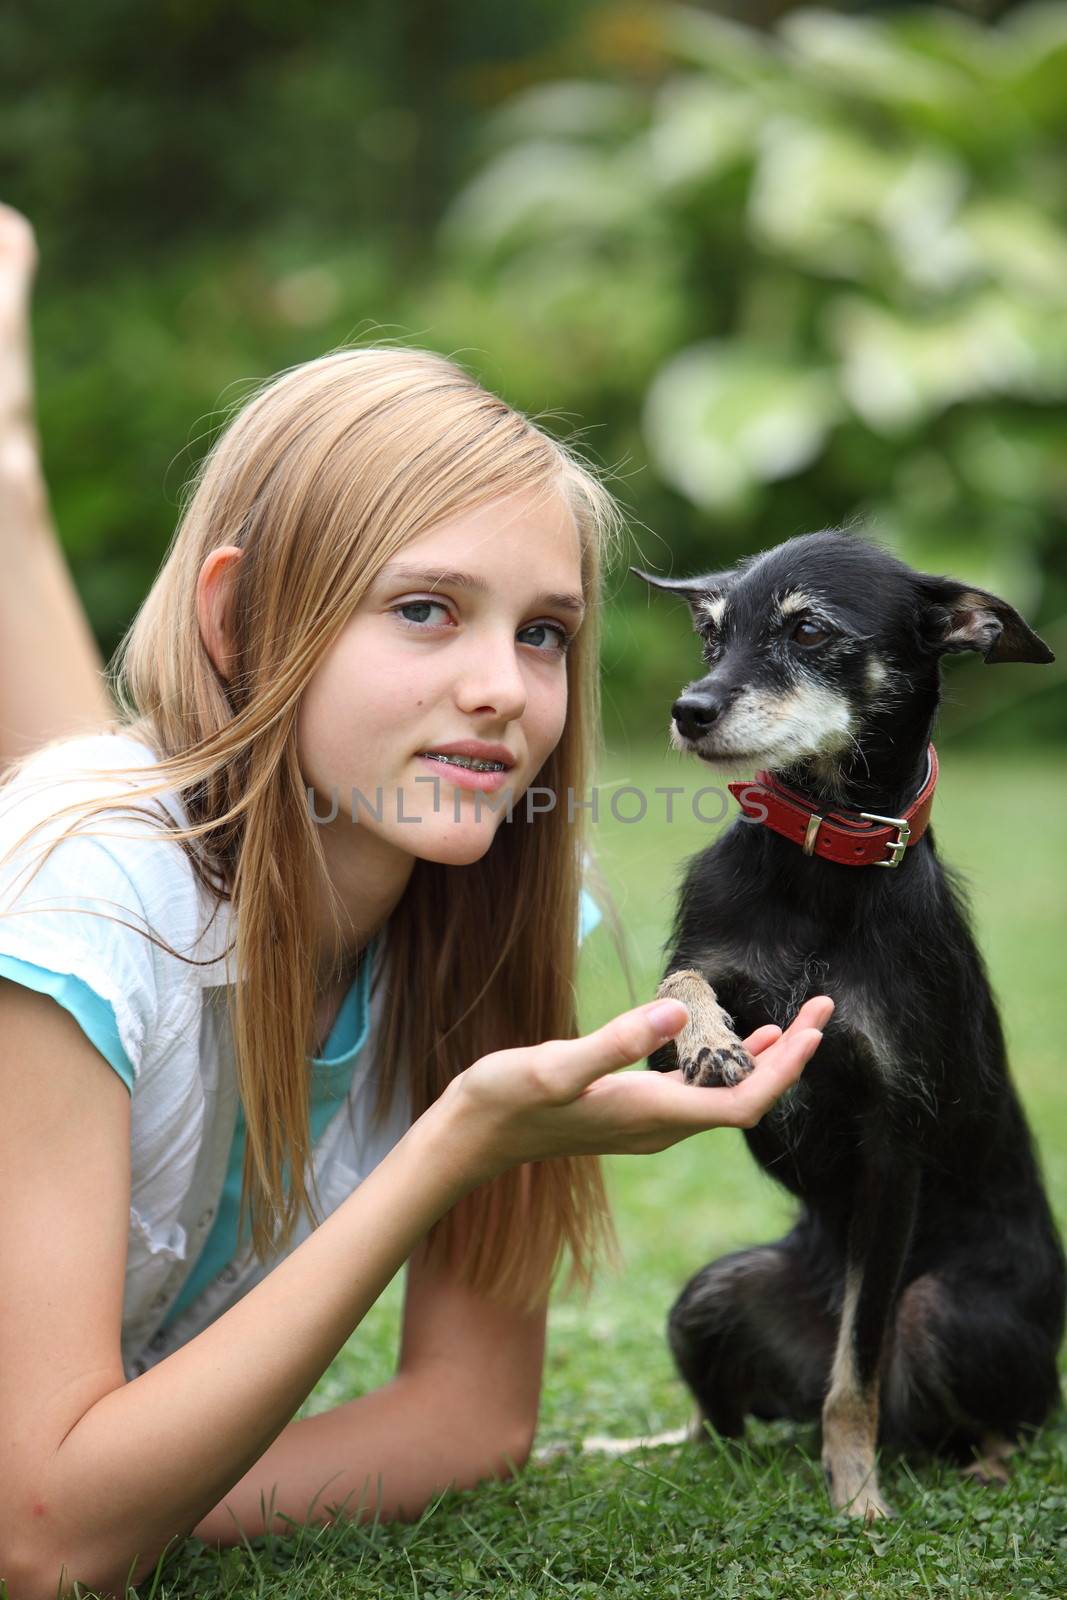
(695, 713)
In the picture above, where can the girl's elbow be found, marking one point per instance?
(515, 1449)
(23, 1582)
(55, 1571)
(522, 1445)
(50, 1576)
(502, 1456)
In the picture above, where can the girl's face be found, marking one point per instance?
(461, 637)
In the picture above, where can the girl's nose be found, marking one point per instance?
(492, 678)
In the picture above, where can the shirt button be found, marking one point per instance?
(157, 1341)
(159, 1302)
(206, 1218)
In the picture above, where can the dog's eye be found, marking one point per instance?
(809, 633)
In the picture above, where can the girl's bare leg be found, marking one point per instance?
(51, 671)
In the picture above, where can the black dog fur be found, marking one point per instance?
(919, 1299)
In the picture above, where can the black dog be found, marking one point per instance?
(920, 1297)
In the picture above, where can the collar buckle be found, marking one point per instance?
(896, 846)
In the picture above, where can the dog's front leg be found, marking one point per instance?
(708, 1050)
(878, 1239)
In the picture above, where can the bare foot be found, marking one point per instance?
(19, 457)
(18, 256)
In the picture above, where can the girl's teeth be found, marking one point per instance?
(463, 761)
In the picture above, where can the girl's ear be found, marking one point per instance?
(957, 616)
(695, 591)
(213, 605)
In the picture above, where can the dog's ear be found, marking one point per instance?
(958, 616)
(696, 592)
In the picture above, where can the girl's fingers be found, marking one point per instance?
(576, 1063)
(775, 1073)
(762, 1038)
(814, 1013)
(570, 1066)
(779, 1065)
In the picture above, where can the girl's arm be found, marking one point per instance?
(51, 672)
(461, 1408)
(99, 1487)
(102, 1474)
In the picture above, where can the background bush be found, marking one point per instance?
(783, 278)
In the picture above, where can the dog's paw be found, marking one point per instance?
(988, 1473)
(869, 1505)
(709, 1052)
(989, 1466)
(853, 1489)
(719, 1067)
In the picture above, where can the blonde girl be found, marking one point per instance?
(269, 957)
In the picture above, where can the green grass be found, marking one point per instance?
(750, 1519)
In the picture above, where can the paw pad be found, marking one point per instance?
(720, 1068)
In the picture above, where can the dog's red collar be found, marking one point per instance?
(852, 839)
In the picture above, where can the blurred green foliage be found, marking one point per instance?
(811, 277)
(779, 279)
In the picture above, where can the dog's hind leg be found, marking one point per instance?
(879, 1234)
(751, 1333)
(988, 1466)
(973, 1367)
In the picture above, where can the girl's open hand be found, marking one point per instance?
(567, 1097)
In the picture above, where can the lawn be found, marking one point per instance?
(750, 1519)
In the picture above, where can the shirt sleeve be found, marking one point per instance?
(94, 1016)
(75, 927)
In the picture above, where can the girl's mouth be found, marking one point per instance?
(456, 771)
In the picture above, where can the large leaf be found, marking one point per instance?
(547, 188)
(868, 58)
(719, 420)
(700, 129)
(896, 372)
(569, 321)
(568, 109)
(1010, 240)
(960, 42)
(1036, 61)
(723, 48)
(834, 201)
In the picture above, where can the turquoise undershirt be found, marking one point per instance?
(331, 1077)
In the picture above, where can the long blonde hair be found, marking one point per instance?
(328, 471)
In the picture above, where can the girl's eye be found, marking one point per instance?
(563, 638)
(809, 633)
(419, 605)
